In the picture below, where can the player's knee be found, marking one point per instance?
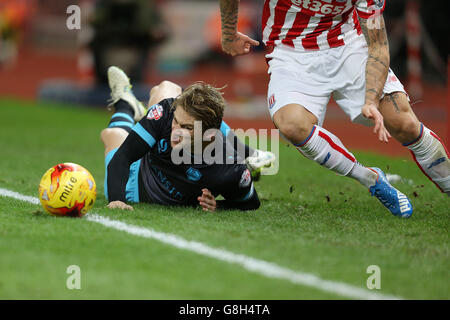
(167, 86)
(104, 134)
(153, 90)
(295, 122)
(165, 89)
(409, 129)
(108, 134)
(404, 128)
(295, 131)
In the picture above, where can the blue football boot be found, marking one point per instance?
(397, 203)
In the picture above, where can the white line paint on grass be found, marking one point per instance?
(18, 196)
(258, 266)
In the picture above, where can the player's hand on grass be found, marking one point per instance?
(119, 205)
(207, 201)
(237, 44)
(370, 111)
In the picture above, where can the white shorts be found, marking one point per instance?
(311, 78)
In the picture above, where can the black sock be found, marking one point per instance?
(124, 107)
(123, 116)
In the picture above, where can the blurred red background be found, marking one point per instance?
(43, 48)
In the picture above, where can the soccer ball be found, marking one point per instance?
(67, 189)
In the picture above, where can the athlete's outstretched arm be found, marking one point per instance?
(377, 69)
(233, 42)
(131, 150)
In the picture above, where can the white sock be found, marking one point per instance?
(364, 175)
(327, 150)
(432, 158)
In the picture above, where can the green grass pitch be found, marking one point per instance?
(310, 221)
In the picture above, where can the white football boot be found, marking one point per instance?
(260, 159)
(121, 89)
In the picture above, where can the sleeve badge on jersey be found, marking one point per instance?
(246, 179)
(155, 112)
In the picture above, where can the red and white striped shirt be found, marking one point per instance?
(315, 24)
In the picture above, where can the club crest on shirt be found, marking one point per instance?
(246, 179)
(193, 174)
(155, 112)
(271, 101)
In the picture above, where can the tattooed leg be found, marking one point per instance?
(399, 118)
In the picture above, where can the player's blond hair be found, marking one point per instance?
(203, 102)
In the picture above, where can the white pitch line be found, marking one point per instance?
(258, 266)
(18, 196)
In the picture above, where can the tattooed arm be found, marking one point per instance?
(377, 69)
(233, 42)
